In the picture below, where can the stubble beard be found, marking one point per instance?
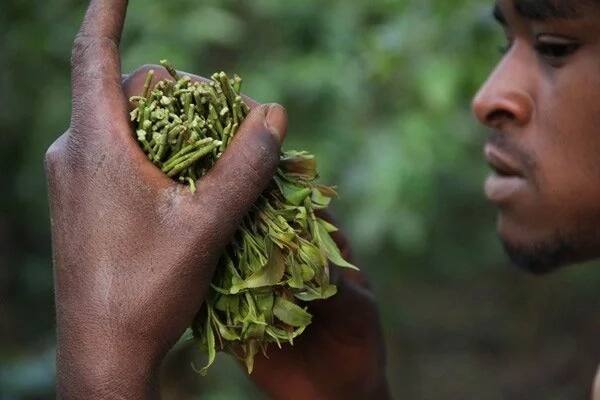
(561, 250)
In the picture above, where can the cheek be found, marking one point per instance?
(567, 146)
(563, 138)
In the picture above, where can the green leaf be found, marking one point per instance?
(318, 199)
(271, 274)
(228, 304)
(296, 280)
(295, 195)
(299, 163)
(225, 332)
(253, 323)
(330, 248)
(311, 254)
(328, 291)
(290, 313)
(312, 294)
(254, 330)
(264, 304)
(251, 348)
(307, 273)
(210, 344)
(282, 335)
(328, 226)
(327, 191)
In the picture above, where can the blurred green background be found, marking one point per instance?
(380, 92)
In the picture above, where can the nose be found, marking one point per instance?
(506, 97)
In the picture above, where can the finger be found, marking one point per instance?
(133, 85)
(228, 191)
(96, 65)
(104, 18)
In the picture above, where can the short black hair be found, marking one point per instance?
(540, 10)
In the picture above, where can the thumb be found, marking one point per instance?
(228, 191)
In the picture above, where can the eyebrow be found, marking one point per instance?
(542, 10)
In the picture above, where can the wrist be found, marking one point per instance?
(88, 369)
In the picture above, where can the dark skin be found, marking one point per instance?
(542, 103)
(126, 288)
(134, 252)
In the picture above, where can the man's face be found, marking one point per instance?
(542, 103)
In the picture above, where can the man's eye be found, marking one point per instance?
(556, 50)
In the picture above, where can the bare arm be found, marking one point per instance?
(133, 251)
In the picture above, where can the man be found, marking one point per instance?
(542, 105)
(134, 252)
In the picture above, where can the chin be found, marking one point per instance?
(540, 257)
(540, 252)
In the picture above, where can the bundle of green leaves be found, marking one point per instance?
(281, 254)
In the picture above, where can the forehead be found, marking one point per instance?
(545, 9)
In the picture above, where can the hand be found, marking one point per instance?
(341, 354)
(134, 252)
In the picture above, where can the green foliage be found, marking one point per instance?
(379, 91)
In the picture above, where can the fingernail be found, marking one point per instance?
(276, 121)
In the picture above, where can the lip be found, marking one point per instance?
(500, 189)
(507, 180)
(501, 163)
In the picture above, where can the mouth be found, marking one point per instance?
(501, 163)
(507, 179)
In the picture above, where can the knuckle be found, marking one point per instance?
(87, 49)
(81, 45)
(74, 146)
(53, 155)
(63, 156)
(76, 49)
